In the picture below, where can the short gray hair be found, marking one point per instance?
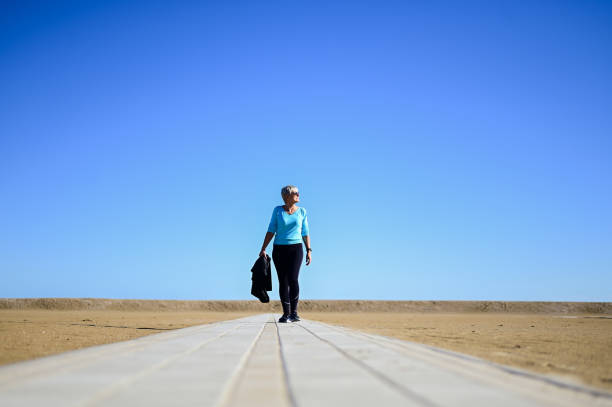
(287, 190)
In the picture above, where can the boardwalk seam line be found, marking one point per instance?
(76, 358)
(114, 387)
(224, 397)
(468, 358)
(290, 393)
(397, 386)
(83, 359)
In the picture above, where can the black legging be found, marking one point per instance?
(287, 261)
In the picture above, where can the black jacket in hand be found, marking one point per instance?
(261, 278)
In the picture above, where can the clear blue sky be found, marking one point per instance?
(458, 150)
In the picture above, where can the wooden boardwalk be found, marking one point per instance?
(255, 361)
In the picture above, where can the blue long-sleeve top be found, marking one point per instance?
(289, 229)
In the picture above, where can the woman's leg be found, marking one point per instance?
(280, 256)
(294, 272)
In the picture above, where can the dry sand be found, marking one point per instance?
(573, 340)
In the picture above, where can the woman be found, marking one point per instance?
(289, 223)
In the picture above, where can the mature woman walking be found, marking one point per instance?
(290, 225)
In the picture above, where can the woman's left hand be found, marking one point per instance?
(308, 257)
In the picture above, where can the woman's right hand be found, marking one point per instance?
(262, 253)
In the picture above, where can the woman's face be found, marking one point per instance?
(292, 198)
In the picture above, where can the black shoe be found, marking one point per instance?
(283, 319)
(294, 317)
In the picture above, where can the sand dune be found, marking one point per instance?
(537, 307)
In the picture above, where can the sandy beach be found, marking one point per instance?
(565, 343)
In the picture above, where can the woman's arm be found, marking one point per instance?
(307, 243)
(269, 236)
